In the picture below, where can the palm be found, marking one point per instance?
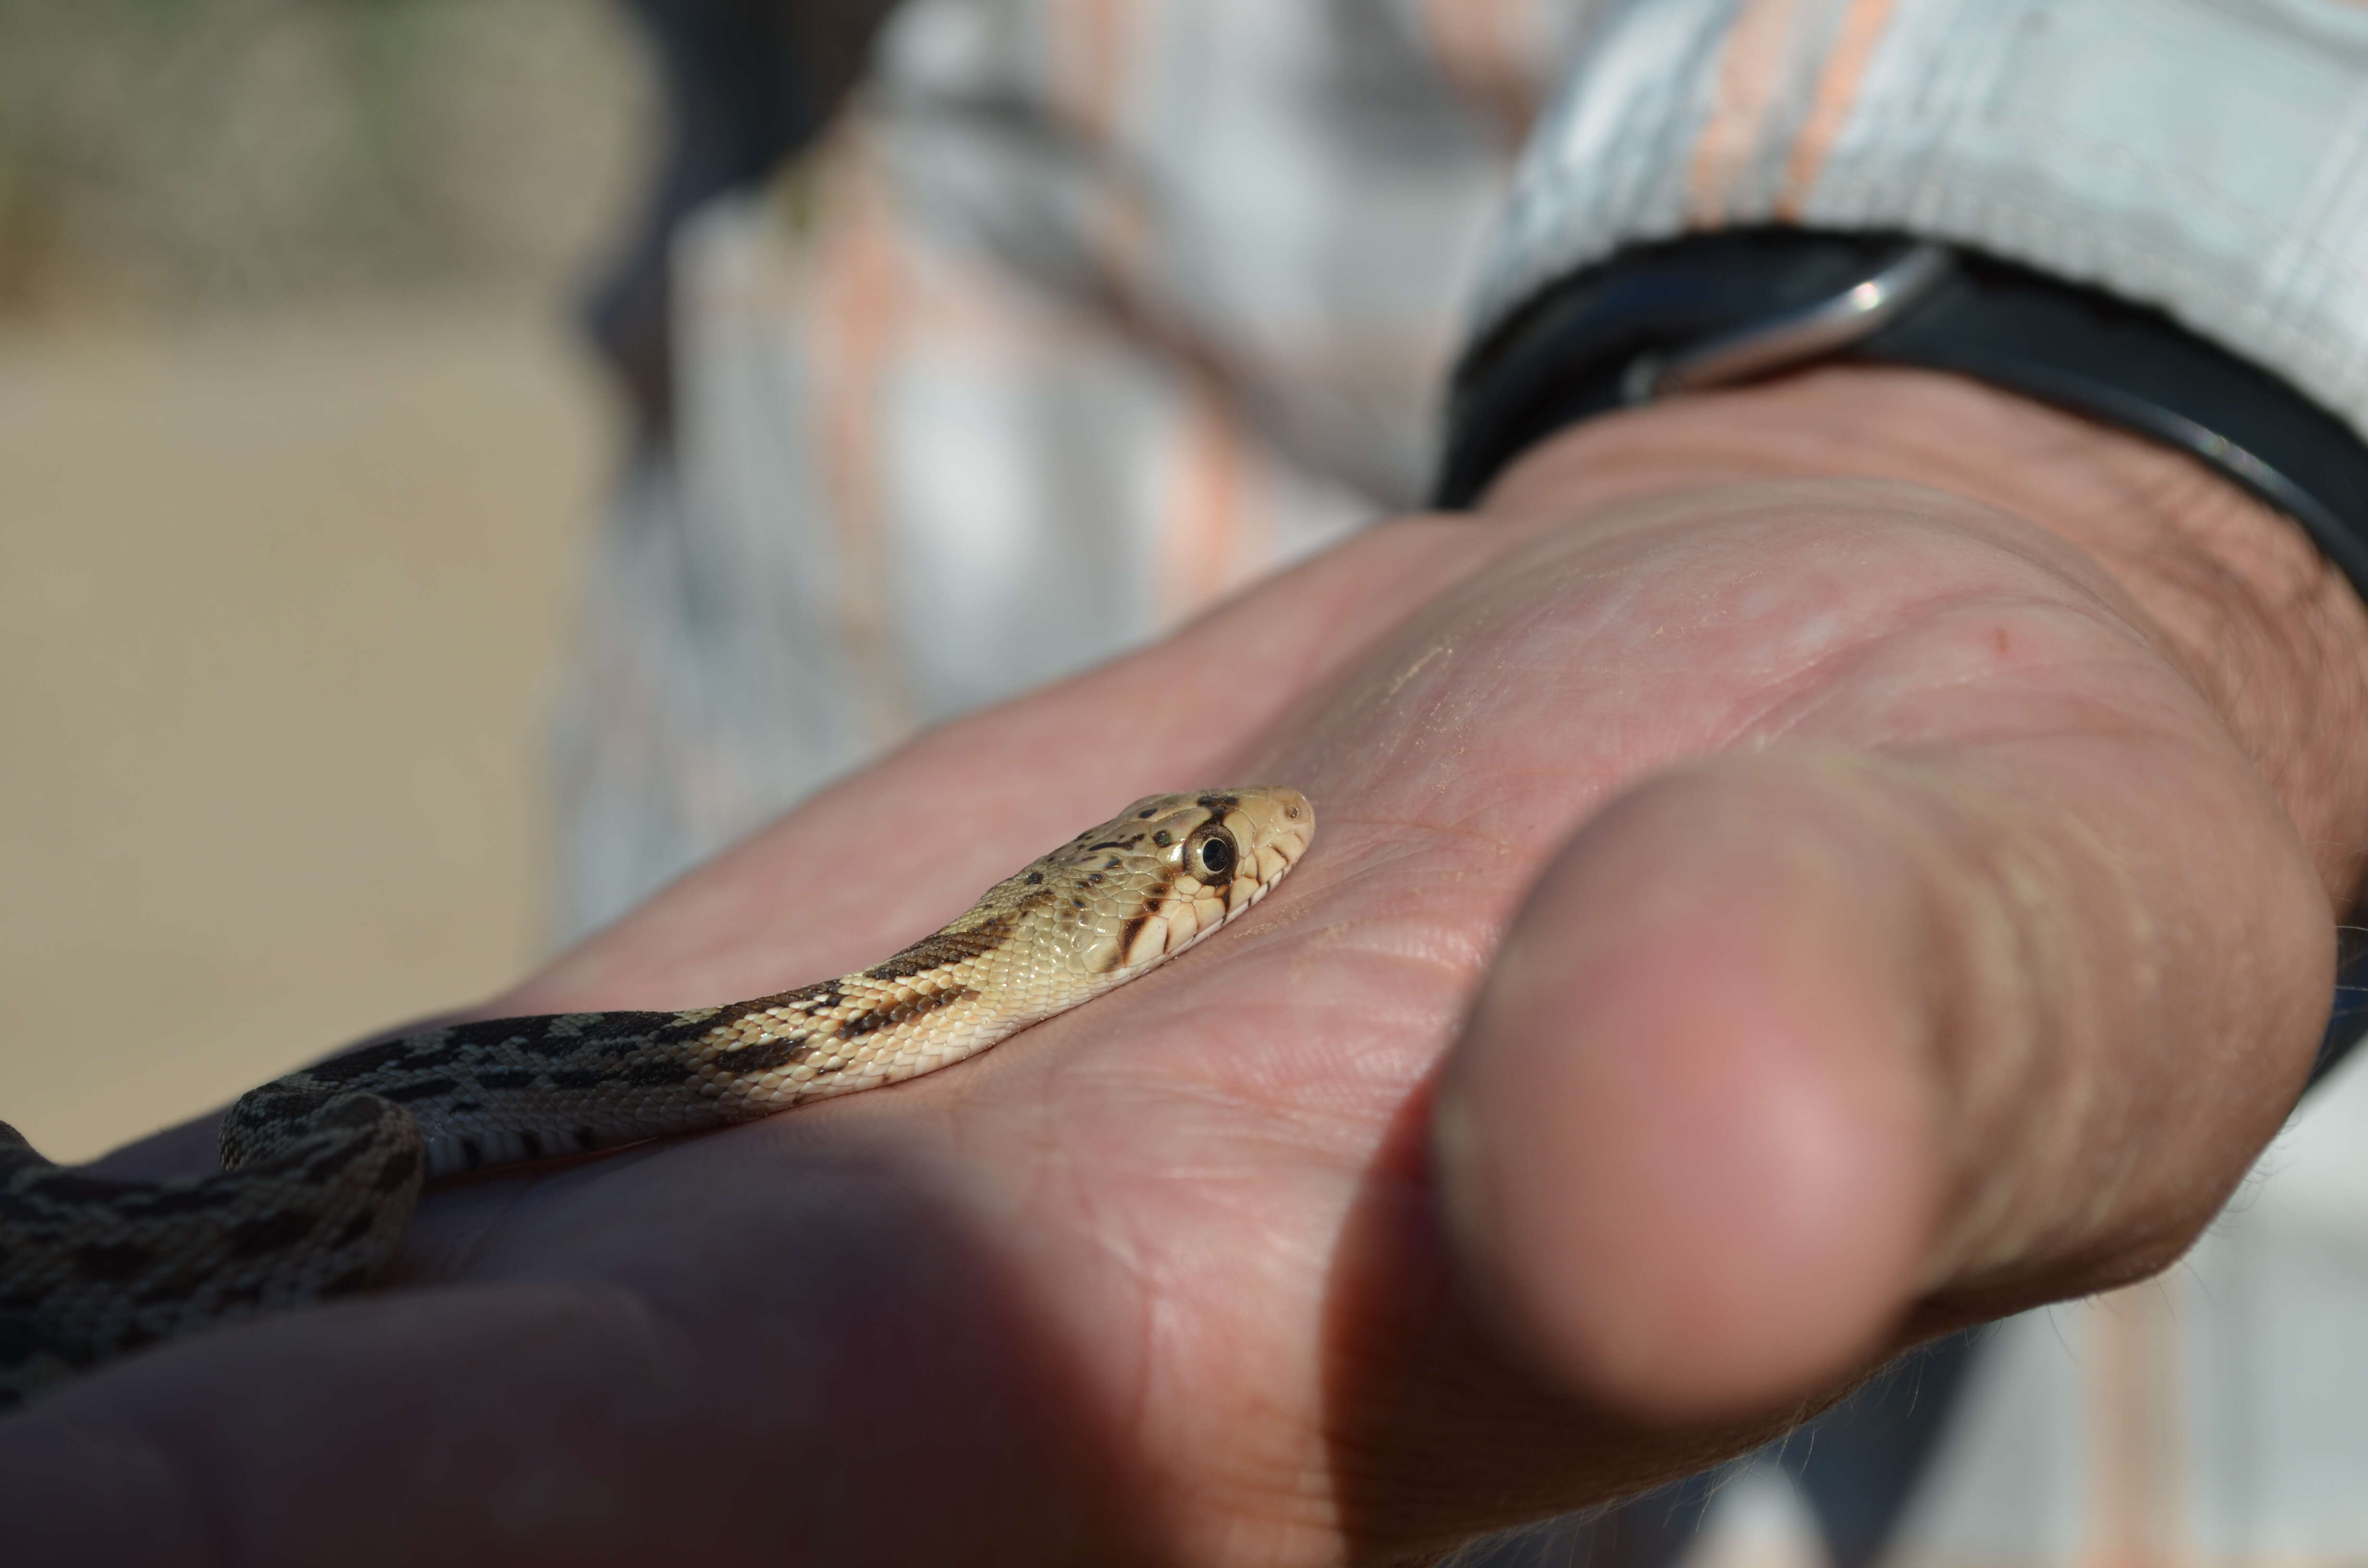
(1165, 1273)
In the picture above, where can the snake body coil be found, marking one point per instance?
(321, 1168)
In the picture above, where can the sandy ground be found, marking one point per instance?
(279, 606)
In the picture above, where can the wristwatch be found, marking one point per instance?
(1718, 308)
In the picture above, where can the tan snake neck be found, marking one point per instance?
(321, 1168)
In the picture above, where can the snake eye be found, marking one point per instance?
(1210, 856)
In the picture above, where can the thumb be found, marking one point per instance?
(1783, 1048)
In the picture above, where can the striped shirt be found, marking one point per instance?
(1091, 311)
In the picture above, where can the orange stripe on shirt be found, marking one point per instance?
(1086, 69)
(2136, 1493)
(860, 285)
(1749, 70)
(1482, 49)
(1202, 529)
(1837, 86)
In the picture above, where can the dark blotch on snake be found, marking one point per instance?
(358, 1111)
(529, 1030)
(577, 1077)
(174, 1203)
(337, 1157)
(22, 1339)
(587, 1030)
(765, 1055)
(400, 1168)
(913, 1007)
(653, 1075)
(426, 1089)
(1127, 933)
(354, 1229)
(617, 1028)
(944, 948)
(268, 1233)
(506, 1077)
(114, 1262)
(369, 1058)
(66, 1187)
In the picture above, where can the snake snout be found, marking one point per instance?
(1273, 825)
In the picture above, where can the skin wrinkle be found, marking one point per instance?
(1140, 1263)
(2220, 583)
(451, 1259)
(2025, 907)
(2019, 898)
(1810, 715)
(1997, 928)
(1130, 1408)
(2000, 928)
(1245, 1480)
(2226, 649)
(1808, 687)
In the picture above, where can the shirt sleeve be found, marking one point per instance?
(2208, 157)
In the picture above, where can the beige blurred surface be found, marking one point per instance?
(295, 449)
(279, 602)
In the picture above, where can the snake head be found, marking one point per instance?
(1164, 873)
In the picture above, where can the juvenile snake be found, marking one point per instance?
(321, 1168)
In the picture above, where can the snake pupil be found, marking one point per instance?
(1213, 857)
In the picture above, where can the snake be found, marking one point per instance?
(322, 1167)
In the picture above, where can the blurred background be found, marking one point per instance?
(297, 442)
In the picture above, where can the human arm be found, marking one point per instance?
(1174, 1278)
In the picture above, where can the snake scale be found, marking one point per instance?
(321, 1168)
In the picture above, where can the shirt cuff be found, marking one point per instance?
(2208, 157)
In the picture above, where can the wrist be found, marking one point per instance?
(2233, 592)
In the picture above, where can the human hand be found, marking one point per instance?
(1749, 928)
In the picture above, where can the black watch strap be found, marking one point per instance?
(1715, 309)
